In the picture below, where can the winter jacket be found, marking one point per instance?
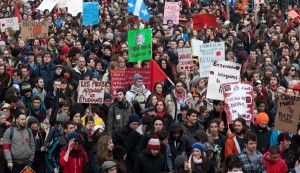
(133, 146)
(81, 76)
(275, 167)
(74, 165)
(263, 138)
(231, 145)
(147, 163)
(173, 106)
(46, 72)
(120, 137)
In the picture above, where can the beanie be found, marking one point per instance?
(65, 49)
(62, 117)
(119, 152)
(31, 120)
(199, 147)
(133, 118)
(158, 118)
(262, 117)
(154, 143)
(107, 165)
(26, 87)
(179, 161)
(74, 135)
(197, 81)
(137, 77)
(107, 96)
(108, 47)
(73, 112)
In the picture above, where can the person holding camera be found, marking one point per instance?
(73, 157)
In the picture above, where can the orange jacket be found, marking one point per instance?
(231, 147)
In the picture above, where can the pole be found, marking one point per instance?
(227, 10)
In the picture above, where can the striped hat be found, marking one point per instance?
(154, 143)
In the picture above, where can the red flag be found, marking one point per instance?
(200, 20)
(188, 3)
(157, 74)
(17, 12)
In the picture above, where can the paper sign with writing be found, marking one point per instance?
(209, 53)
(90, 13)
(196, 47)
(47, 4)
(90, 91)
(288, 113)
(171, 12)
(75, 7)
(185, 59)
(62, 3)
(259, 1)
(9, 22)
(221, 72)
(139, 45)
(118, 80)
(34, 29)
(238, 98)
(202, 20)
(145, 72)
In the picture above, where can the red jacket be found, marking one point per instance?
(74, 165)
(275, 167)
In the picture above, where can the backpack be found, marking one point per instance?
(140, 97)
(11, 134)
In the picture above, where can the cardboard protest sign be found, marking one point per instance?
(34, 29)
(118, 80)
(47, 4)
(90, 14)
(90, 91)
(145, 72)
(288, 113)
(139, 45)
(201, 20)
(171, 12)
(75, 7)
(209, 53)
(196, 47)
(62, 3)
(185, 59)
(221, 72)
(238, 97)
(9, 22)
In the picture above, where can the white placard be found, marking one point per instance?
(47, 4)
(90, 91)
(9, 22)
(196, 47)
(75, 7)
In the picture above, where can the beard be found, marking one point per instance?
(240, 132)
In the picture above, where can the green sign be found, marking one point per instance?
(139, 45)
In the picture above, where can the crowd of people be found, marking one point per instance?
(173, 128)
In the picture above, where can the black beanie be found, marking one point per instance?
(73, 112)
(119, 152)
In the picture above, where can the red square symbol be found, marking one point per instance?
(218, 53)
(212, 72)
(3, 24)
(37, 29)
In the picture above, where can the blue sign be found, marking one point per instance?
(90, 14)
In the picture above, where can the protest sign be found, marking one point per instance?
(62, 3)
(34, 29)
(238, 97)
(47, 5)
(293, 14)
(118, 80)
(171, 12)
(139, 45)
(209, 53)
(90, 14)
(75, 7)
(145, 72)
(196, 47)
(90, 91)
(201, 20)
(221, 72)
(288, 112)
(185, 59)
(9, 22)
(259, 1)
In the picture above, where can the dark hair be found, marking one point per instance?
(274, 149)
(192, 111)
(232, 161)
(216, 102)
(241, 120)
(250, 136)
(201, 136)
(66, 124)
(121, 90)
(163, 134)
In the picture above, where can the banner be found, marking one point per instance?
(288, 112)
(62, 3)
(185, 59)
(34, 29)
(221, 72)
(9, 22)
(239, 101)
(90, 91)
(118, 81)
(201, 20)
(209, 53)
(90, 14)
(75, 7)
(145, 72)
(47, 5)
(259, 1)
(196, 47)
(171, 12)
(139, 45)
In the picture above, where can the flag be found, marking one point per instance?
(17, 12)
(232, 3)
(138, 8)
(157, 74)
(188, 3)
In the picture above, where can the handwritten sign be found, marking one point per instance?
(90, 13)
(238, 99)
(196, 47)
(288, 112)
(209, 53)
(259, 1)
(9, 22)
(145, 72)
(62, 3)
(185, 59)
(139, 45)
(34, 29)
(90, 91)
(47, 5)
(202, 20)
(118, 80)
(171, 12)
(75, 7)
(221, 72)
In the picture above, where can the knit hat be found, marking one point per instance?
(107, 47)
(179, 161)
(262, 117)
(95, 128)
(119, 152)
(65, 49)
(73, 112)
(62, 117)
(208, 146)
(137, 77)
(154, 143)
(184, 106)
(107, 96)
(31, 120)
(159, 118)
(109, 36)
(74, 135)
(5, 106)
(133, 118)
(148, 107)
(198, 146)
(24, 58)
(271, 68)
(107, 165)
(197, 81)
(26, 87)
(296, 87)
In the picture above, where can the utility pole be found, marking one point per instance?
(227, 10)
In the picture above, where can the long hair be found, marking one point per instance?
(103, 154)
(165, 107)
(204, 164)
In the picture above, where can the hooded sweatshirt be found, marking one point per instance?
(275, 167)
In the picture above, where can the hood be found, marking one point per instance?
(175, 127)
(30, 120)
(236, 41)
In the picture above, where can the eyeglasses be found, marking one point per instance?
(293, 69)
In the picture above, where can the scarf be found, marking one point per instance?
(196, 161)
(274, 89)
(135, 89)
(180, 97)
(75, 153)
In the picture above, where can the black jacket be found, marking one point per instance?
(263, 138)
(120, 137)
(147, 163)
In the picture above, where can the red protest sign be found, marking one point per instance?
(118, 80)
(185, 59)
(201, 20)
(145, 72)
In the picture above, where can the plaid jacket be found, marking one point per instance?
(249, 167)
